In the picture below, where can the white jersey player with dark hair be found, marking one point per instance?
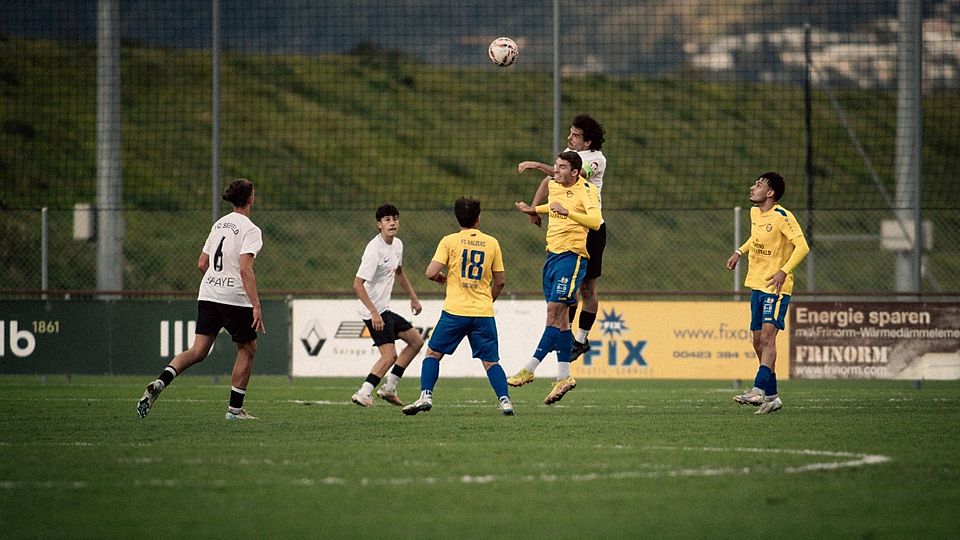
(382, 263)
(228, 299)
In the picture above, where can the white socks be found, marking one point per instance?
(532, 365)
(391, 383)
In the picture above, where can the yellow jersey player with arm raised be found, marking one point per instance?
(574, 208)
(775, 247)
(586, 138)
(474, 278)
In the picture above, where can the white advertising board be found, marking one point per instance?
(330, 339)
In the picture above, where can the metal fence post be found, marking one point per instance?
(736, 244)
(44, 252)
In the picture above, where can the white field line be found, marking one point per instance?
(655, 470)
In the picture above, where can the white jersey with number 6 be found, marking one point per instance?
(231, 236)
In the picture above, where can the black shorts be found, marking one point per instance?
(393, 325)
(238, 320)
(596, 241)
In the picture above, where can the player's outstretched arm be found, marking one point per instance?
(536, 165)
(527, 209)
(543, 191)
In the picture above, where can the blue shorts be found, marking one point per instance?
(767, 308)
(562, 275)
(482, 332)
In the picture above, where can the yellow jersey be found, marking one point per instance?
(564, 233)
(471, 257)
(772, 241)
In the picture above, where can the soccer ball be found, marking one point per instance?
(503, 51)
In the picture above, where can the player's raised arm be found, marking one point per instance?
(535, 165)
(543, 190)
(529, 210)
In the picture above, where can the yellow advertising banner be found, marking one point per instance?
(675, 340)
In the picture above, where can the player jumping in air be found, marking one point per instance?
(573, 208)
(586, 138)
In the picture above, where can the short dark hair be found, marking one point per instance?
(238, 192)
(776, 183)
(572, 158)
(592, 130)
(387, 209)
(467, 211)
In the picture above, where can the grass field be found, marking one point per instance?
(614, 459)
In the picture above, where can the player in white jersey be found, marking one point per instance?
(382, 262)
(228, 299)
(585, 138)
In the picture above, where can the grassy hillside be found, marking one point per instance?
(328, 138)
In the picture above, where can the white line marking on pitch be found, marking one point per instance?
(846, 460)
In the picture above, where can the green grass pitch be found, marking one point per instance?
(614, 459)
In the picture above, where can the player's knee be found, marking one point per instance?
(198, 352)
(413, 339)
(249, 347)
(588, 288)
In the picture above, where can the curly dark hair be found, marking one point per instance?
(592, 130)
(387, 209)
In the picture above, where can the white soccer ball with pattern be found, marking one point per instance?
(503, 51)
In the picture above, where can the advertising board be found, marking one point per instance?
(872, 340)
(637, 340)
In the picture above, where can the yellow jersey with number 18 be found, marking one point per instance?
(471, 257)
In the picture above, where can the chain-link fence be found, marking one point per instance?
(333, 109)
